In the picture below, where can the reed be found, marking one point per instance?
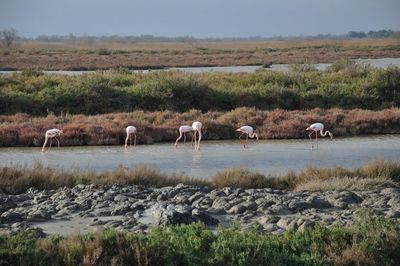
(375, 174)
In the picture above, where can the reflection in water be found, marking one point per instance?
(267, 156)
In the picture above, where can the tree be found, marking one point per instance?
(8, 36)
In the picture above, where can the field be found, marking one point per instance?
(92, 55)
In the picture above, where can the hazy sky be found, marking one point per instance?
(202, 18)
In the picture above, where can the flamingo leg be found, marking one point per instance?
(312, 142)
(51, 141)
(316, 138)
(247, 140)
(44, 145)
(184, 138)
(126, 141)
(134, 144)
(195, 140)
(58, 141)
(180, 136)
(240, 138)
(192, 139)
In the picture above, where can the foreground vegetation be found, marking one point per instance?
(375, 174)
(370, 241)
(91, 55)
(345, 85)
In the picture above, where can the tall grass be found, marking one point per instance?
(370, 241)
(375, 174)
(162, 126)
(345, 85)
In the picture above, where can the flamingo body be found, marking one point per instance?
(129, 131)
(315, 128)
(50, 134)
(197, 126)
(182, 132)
(249, 131)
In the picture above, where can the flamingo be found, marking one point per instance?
(182, 132)
(248, 130)
(129, 131)
(196, 126)
(314, 129)
(50, 134)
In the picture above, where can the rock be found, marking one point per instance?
(284, 222)
(172, 214)
(203, 217)
(298, 205)
(11, 216)
(393, 214)
(195, 196)
(306, 224)
(318, 203)
(6, 203)
(102, 211)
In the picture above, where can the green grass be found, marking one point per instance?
(370, 241)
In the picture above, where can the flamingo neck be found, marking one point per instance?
(326, 132)
(252, 135)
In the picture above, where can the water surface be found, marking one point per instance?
(267, 156)
(378, 63)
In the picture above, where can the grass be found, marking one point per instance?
(375, 174)
(346, 85)
(162, 126)
(81, 55)
(370, 241)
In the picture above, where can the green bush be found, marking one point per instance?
(345, 84)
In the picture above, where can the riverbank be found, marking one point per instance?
(109, 129)
(321, 206)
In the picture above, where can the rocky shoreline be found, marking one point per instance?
(89, 208)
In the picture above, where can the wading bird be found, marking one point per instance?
(248, 130)
(314, 129)
(197, 129)
(182, 132)
(129, 131)
(50, 134)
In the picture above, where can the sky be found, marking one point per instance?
(197, 18)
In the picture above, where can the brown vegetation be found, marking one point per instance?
(376, 174)
(109, 129)
(136, 55)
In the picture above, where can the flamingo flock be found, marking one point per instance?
(196, 130)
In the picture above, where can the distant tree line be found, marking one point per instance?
(152, 38)
(373, 34)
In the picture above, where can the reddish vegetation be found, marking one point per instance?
(108, 129)
(106, 55)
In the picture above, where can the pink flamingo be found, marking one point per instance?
(197, 129)
(314, 129)
(50, 134)
(182, 132)
(248, 130)
(129, 131)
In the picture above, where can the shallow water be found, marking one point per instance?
(267, 156)
(378, 63)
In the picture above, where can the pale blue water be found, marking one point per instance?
(267, 156)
